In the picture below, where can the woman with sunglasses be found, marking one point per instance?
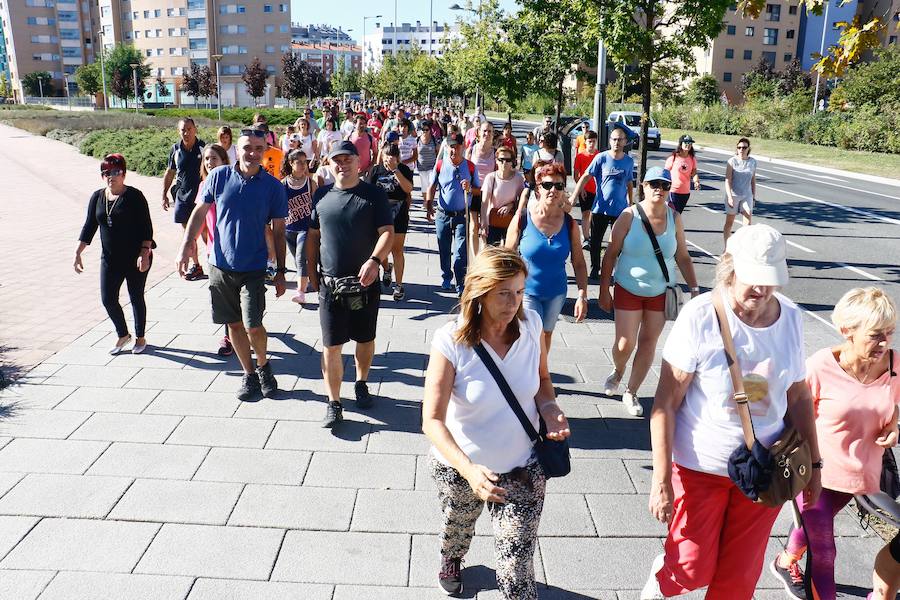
(639, 296)
(740, 186)
(500, 192)
(126, 238)
(546, 236)
(683, 167)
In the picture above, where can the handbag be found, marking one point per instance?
(495, 219)
(890, 476)
(551, 454)
(674, 301)
(770, 476)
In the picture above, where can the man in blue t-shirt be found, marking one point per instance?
(247, 199)
(612, 171)
(455, 183)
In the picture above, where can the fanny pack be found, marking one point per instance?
(350, 292)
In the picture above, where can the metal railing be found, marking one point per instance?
(61, 102)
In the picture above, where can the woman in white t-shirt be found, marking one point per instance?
(740, 186)
(328, 137)
(480, 450)
(308, 142)
(717, 536)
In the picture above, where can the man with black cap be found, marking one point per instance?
(351, 232)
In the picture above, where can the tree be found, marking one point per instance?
(255, 78)
(120, 72)
(300, 79)
(793, 78)
(89, 79)
(760, 81)
(344, 79)
(704, 90)
(207, 79)
(873, 83)
(190, 82)
(162, 90)
(35, 82)
(5, 90)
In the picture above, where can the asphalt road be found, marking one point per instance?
(841, 232)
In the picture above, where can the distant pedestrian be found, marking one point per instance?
(548, 149)
(396, 179)
(350, 234)
(589, 193)
(544, 128)
(682, 164)
(481, 153)
(427, 158)
(247, 199)
(508, 140)
(308, 142)
(328, 137)
(408, 143)
(526, 157)
(365, 146)
(182, 181)
(226, 140)
(740, 187)
(300, 188)
(500, 191)
(121, 214)
(261, 120)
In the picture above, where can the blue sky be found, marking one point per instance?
(348, 13)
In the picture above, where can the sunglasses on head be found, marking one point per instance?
(112, 172)
(553, 185)
(660, 185)
(253, 133)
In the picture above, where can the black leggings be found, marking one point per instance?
(599, 223)
(111, 278)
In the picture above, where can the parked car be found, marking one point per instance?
(633, 121)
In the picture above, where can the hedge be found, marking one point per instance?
(275, 116)
(145, 150)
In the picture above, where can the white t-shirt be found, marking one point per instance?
(478, 416)
(232, 154)
(708, 427)
(327, 139)
(407, 145)
(545, 155)
(348, 127)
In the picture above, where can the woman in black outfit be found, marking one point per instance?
(126, 236)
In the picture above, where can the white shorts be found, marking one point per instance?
(741, 205)
(426, 178)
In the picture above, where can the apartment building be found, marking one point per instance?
(326, 57)
(386, 40)
(319, 34)
(46, 35)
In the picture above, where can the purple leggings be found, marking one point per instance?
(819, 521)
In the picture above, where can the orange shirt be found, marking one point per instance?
(582, 162)
(271, 161)
(580, 145)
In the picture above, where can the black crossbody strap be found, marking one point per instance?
(656, 249)
(482, 353)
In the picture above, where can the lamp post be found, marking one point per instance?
(473, 11)
(217, 58)
(364, 39)
(821, 53)
(41, 88)
(103, 69)
(68, 97)
(134, 68)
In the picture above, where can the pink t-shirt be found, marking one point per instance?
(497, 192)
(363, 145)
(681, 168)
(849, 418)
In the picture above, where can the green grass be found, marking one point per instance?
(868, 163)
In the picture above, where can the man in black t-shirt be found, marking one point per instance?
(183, 169)
(350, 234)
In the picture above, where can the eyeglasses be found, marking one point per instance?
(660, 185)
(112, 173)
(505, 160)
(743, 147)
(553, 185)
(253, 133)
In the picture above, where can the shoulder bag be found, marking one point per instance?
(674, 301)
(553, 455)
(770, 476)
(890, 476)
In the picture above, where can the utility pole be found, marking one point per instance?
(821, 53)
(134, 68)
(103, 69)
(217, 58)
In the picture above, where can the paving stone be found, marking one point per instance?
(39, 423)
(60, 545)
(23, 585)
(232, 589)
(373, 557)
(208, 551)
(394, 441)
(641, 473)
(254, 466)
(149, 461)
(621, 515)
(177, 502)
(354, 592)
(172, 379)
(81, 356)
(77, 375)
(566, 515)
(116, 586)
(566, 561)
(211, 431)
(26, 455)
(291, 507)
(12, 530)
(154, 357)
(351, 436)
(290, 408)
(53, 495)
(423, 474)
(207, 404)
(108, 400)
(123, 427)
(478, 571)
(35, 396)
(8, 480)
(593, 475)
(379, 471)
(401, 511)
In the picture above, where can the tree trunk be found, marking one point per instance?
(559, 101)
(645, 122)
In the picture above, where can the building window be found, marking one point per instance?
(196, 24)
(726, 77)
(788, 57)
(749, 31)
(137, 34)
(196, 4)
(269, 29)
(158, 33)
(149, 52)
(170, 12)
(135, 15)
(270, 69)
(71, 52)
(792, 10)
(267, 8)
(773, 12)
(284, 48)
(197, 44)
(769, 57)
(283, 8)
(270, 49)
(146, 14)
(231, 70)
(285, 28)
(789, 34)
(770, 37)
(157, 13)
(748, 54)
(242, 49)
(730, 31)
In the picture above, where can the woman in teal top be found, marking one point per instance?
(639, 295)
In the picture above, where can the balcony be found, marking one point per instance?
(196, 13)
(195, 54)
(197, 34)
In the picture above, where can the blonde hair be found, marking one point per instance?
(492, 266)
(724, 271)
(864, 309)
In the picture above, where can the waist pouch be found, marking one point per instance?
(350, 292)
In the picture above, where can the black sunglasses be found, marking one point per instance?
(743, 147)
(112, 173)
(253, 133)
(507, 160)
(553, 185)
(660, 185)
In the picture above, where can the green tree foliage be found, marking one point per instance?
(344, 79)
(162, 90)
(33, 88)
(874, 83)
(207, 86)
(190, 81)
(119, 71)
(704, 90)
(89, 79)
(300, 78)
(5, 89)
(255, 78)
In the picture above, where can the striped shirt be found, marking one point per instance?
(427, 155)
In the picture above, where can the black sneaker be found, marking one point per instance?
(399, 294)
(450, 577)
(791, 578)
(594, 276)
(586, 244)
(249, 390)
(267, 382)
(386, 279)
(195, 273)
(334, 414)
(363, 397)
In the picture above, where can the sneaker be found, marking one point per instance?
(270, 273)
(459, 291)
(363, 397)
(267, 382)
(612, 384)
(632, 405)
(195, 273)
(586, 244)
(334, 414)
(225, 347)
(299, 298)
(446, 286)
(249, 390)
(399, 294)
(120, 346)
(386, 277)
(791, 578)
(450, 577)
(651, 589)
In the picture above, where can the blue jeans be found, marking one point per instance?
(451, 235)
(547, 308)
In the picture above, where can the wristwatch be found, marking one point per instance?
(281, 270)
(376, 259)
(817, 464)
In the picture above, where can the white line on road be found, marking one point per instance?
(799, 247)
(860, 272)
(708, 209)
(771, 170)
(818, 318)
(840, 185)
(706, 252)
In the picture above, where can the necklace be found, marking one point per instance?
(110, 206)
(849, 369)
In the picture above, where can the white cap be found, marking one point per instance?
(760, 255)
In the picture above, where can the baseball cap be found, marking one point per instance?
(687, 138)
(455, 140)
(344, 147)
(428, 110)
(424, 124)
(657, 174)
(759, 254)
(296, 137)
(392, 136)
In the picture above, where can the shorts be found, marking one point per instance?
(586, 202)
(475, 206)
(548, 308)
(401, 221)
(340, 324)
(678, 201)
(741, 205)
(625, 300)
(426, 178)
(183, 211)
(237, 296)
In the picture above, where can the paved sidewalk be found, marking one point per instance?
(142, 477)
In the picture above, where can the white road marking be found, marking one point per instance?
(860, 272)
(706, 252)
(799, 247)
(708, 209)
(820, 319)
(840, 185)
(804, 174)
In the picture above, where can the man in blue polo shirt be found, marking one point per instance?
(247, 198)
(455, 184)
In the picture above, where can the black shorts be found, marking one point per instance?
(183, 211)
(401, 221)
(475, 206)
(340, 324)
(678, 201)
(586, 202)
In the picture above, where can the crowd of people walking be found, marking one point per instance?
(336, 195)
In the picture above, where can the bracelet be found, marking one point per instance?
(376, 259)
(695, 289)
(281, 270)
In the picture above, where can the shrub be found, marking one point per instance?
(704, 90)
(244, 116)
(146, 150)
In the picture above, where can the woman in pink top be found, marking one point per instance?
(500, 192)
(683, 166)
(856, 398)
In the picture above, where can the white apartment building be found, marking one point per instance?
(385, 40)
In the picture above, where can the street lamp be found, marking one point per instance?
(364, 39)
(217, 58)
(103, 68)
(68, 97)
(134, 68)
(473, 11)
(821, 53)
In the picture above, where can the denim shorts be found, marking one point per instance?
(547, 308)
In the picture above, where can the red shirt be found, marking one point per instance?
(582, 162)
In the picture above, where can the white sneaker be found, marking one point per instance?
(612, 384)
(651, 589)
(632, 405)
